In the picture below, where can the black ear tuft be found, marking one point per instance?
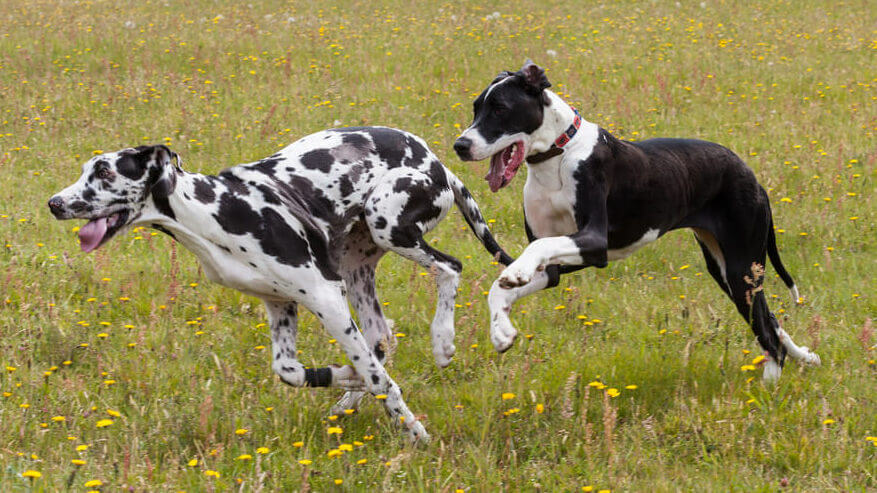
(534, 77)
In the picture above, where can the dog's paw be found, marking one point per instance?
(444, 354)
(417, 434)
(518, 274)
(350, 400)
(502, 332)
(772, 371)
(809, 357)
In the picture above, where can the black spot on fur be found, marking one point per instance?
(320, 159)
(236, 216)
(279, 240)
(268, 166)
(130, 166)
(89, 194)
(345, 186)
(381, 222)
(204, 191)
(402, 184)
(357, 140)
(379, 351)
(269, 194)
(234, 183)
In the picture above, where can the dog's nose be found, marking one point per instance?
(463, 147)
(56, 205)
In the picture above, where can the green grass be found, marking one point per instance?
(135, 327)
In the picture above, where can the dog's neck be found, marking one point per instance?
(187, 218)
(557, 118)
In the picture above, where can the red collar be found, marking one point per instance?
(557, 147)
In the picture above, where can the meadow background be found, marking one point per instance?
(126, 370)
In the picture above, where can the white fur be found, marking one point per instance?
(620, 253)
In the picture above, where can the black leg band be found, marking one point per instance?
(318, 377)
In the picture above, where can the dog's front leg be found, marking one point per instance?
(587, 247)
(283, 319)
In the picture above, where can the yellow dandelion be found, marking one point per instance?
(631, 387)
(241, 431)
(334, 430)
(828, 421)
(59, 419)
(113, 413)
(507, 396)
(262, 450)
(192, 463)
(339, 481)
(245, 457)
(346, 447)
(540, 408)
(298, 444)
(30, 473)
(94, 483)
(212, 473)
(613, 392)
(81, 448)
(305, 462)
(362, 461)
(104, 423)
(334, 453)
(77, 462)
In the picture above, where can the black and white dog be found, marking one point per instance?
(591, 198)
(306, 225)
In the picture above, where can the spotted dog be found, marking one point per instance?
(591, 198)
(306, 226)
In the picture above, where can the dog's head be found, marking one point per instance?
(114, 189)
(507, 114)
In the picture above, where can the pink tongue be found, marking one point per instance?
(91, 234)
(495, 173)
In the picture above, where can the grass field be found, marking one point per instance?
(126, 368)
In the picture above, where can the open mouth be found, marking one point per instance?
(504, 164)
(97, 231)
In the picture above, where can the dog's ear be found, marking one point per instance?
(534, 77)
(163, 177)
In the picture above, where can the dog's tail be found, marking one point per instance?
(778, 265)
(467, 205)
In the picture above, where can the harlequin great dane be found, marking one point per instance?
(591, 198)
(306, 225)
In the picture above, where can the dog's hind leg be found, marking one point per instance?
(401, 209)
(283, 319)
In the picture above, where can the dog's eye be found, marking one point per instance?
(103, 173)
(499, 110)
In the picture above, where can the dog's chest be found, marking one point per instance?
(549, 205)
